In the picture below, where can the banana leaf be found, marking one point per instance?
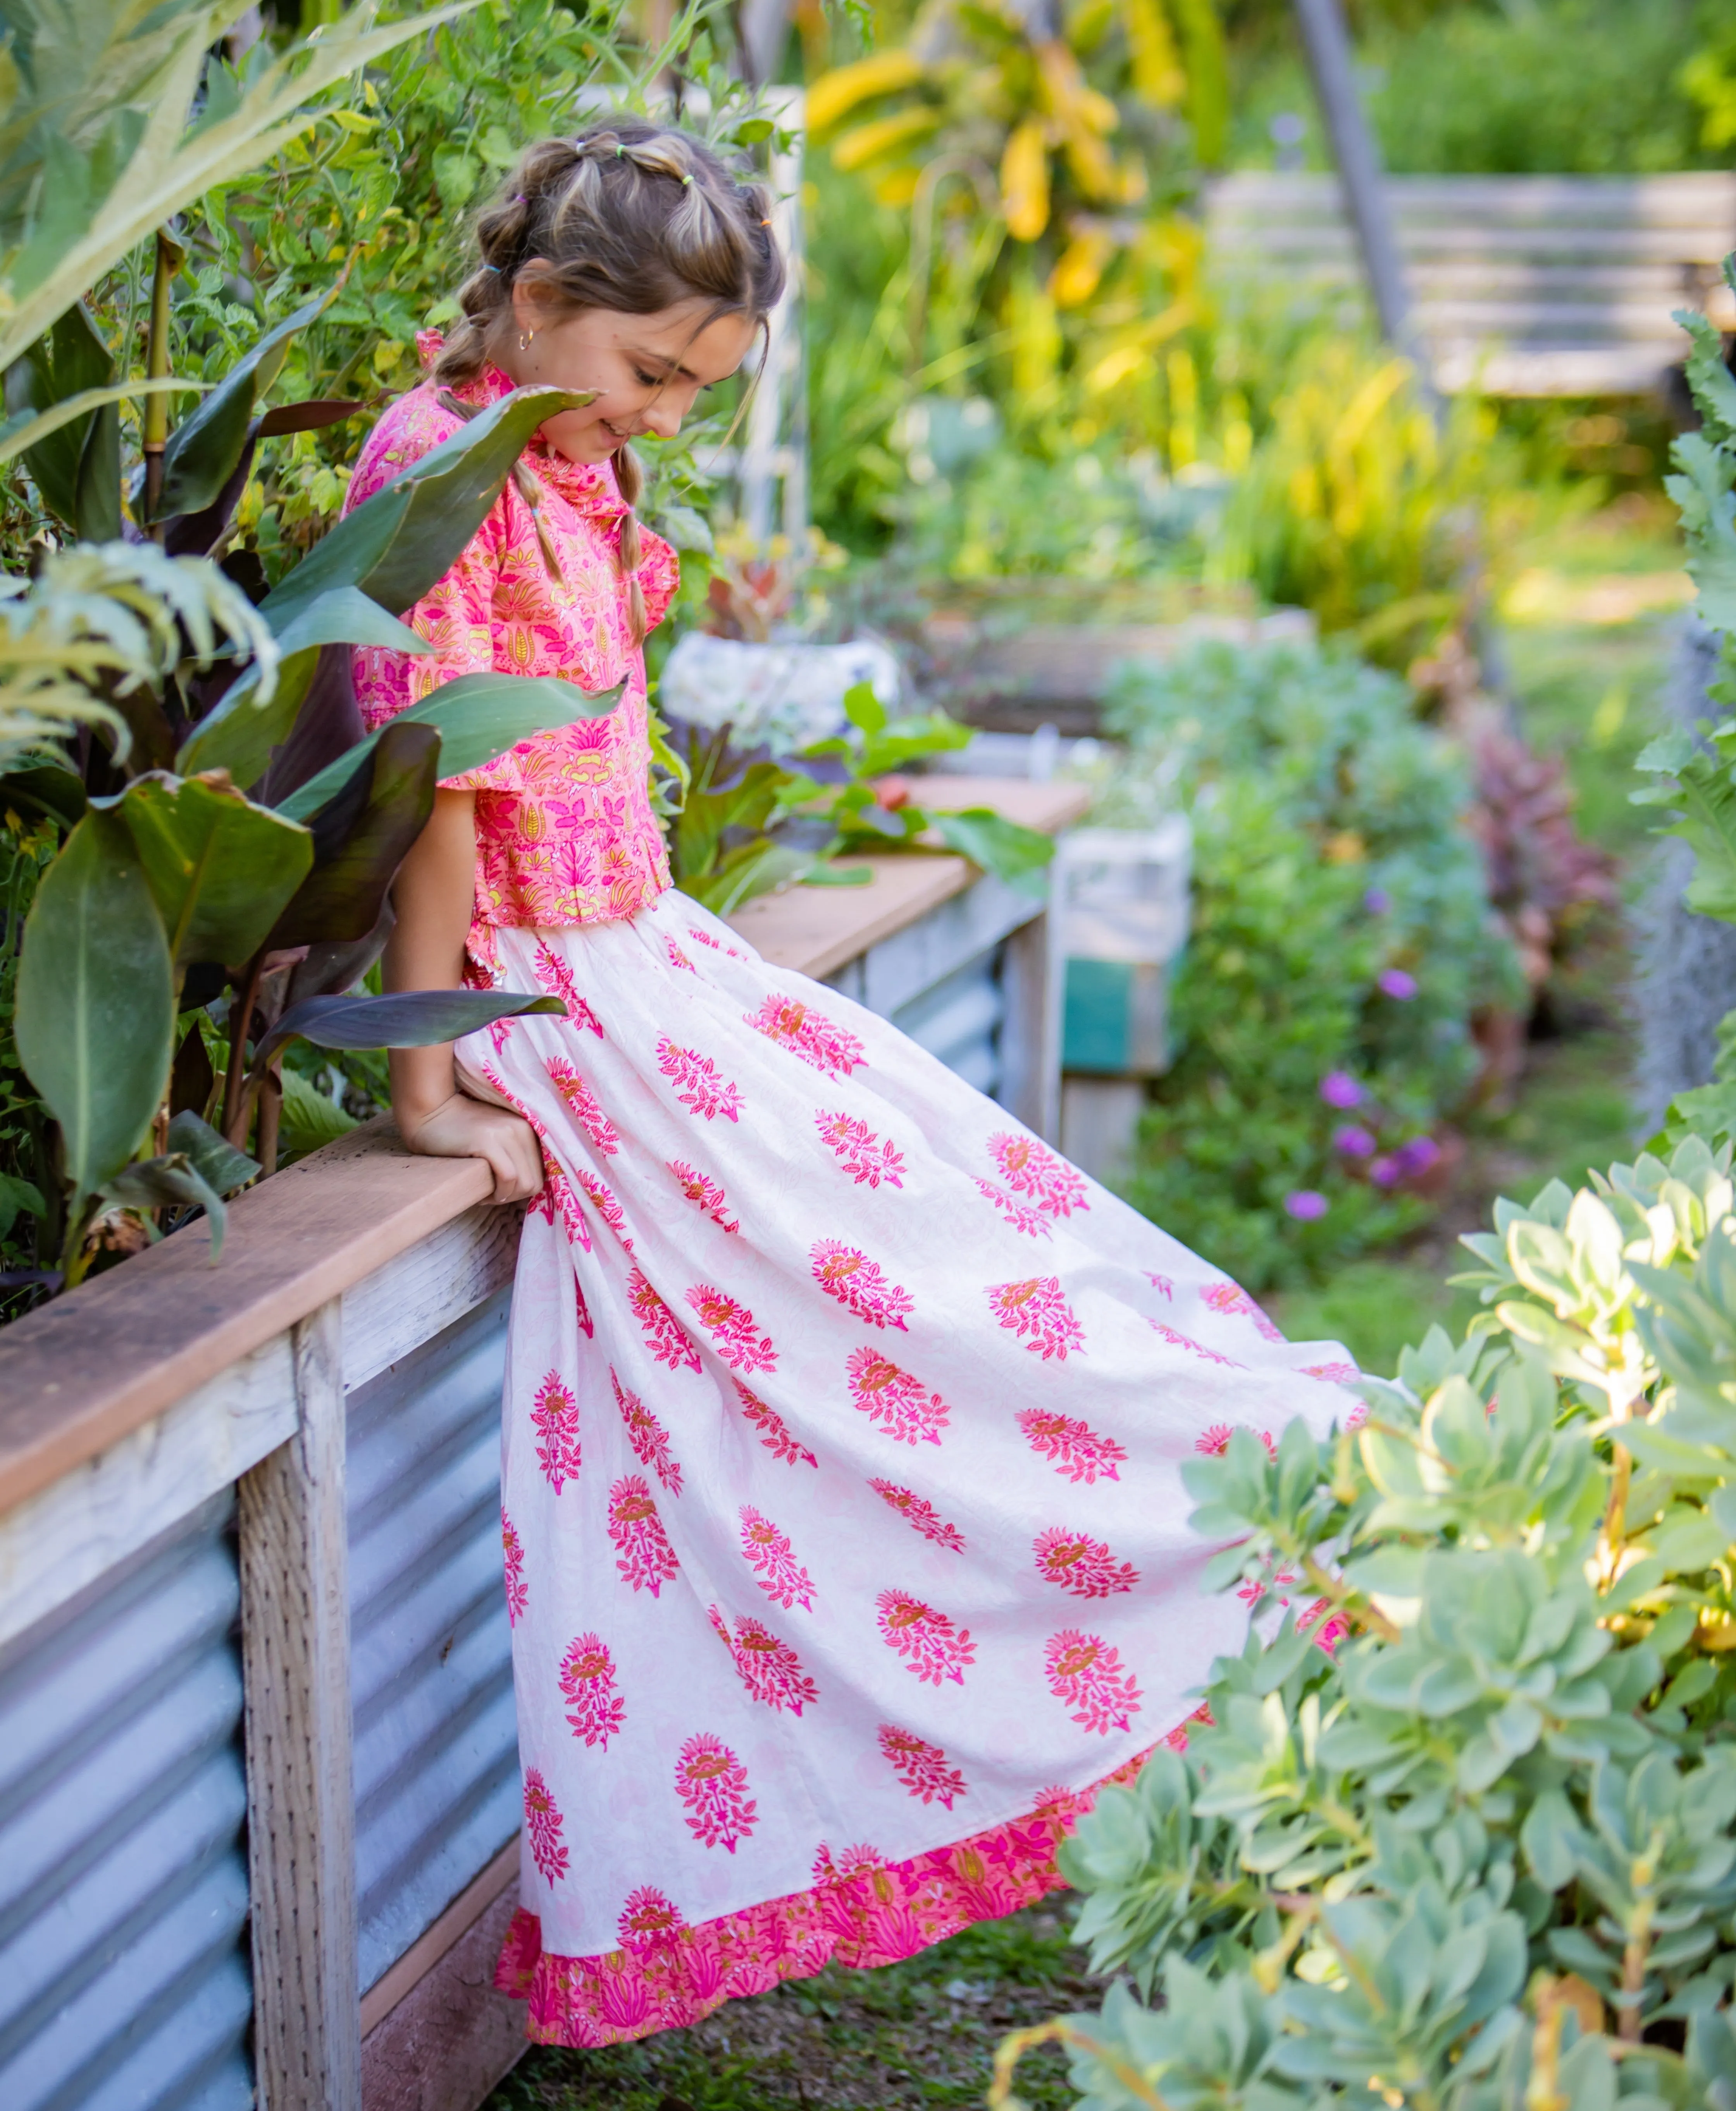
(360, 837)
(412, 1019)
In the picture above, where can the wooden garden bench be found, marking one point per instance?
(1524, 285)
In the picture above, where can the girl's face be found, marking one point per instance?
(646, 370)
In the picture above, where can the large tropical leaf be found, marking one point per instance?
(95, 1022)
(480, 716)
(413, 1019)
(204, 449)
(104, 138)
(360, 839)
(78, 468)
(410, 533)
(219, 868)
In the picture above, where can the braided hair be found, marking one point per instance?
(632, 217)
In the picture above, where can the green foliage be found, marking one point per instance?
(1494, 1749)
(1329, 852)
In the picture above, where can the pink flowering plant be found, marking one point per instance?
(1456, 1830)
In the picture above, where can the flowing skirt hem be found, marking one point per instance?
(861, 1911)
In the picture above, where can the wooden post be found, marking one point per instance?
(1030, 1026)
(1328, 48)
(301, 1793)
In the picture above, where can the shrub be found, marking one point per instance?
(1341, 942)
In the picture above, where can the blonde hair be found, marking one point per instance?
(631, 216)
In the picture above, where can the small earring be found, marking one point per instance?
(523, 339)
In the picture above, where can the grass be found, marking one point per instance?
(920, 2034)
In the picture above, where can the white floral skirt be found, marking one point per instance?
(847, 1548)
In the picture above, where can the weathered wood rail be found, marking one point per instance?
(259, 1793)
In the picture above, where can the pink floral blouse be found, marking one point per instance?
(564, 833)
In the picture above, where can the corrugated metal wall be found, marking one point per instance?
(123, 1978)
(959, 1020)
(437, 1789)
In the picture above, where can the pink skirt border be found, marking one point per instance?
(862, 1910)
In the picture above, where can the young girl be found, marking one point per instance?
(847, 1550)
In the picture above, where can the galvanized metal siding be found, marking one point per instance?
(959, 1020)
(437, 1787)
(123, 1978)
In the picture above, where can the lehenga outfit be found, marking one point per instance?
(846, 1547)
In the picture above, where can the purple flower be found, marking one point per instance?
(1377, 902)
(1396, 985)
(1353, 1141)
(1418, 1155)
(1387, 1172)
(1339, 1089)
(1306, 1205)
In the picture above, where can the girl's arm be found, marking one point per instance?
(433, 896)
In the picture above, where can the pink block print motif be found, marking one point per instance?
(678, 958)
(1029, 1168)
(921, 1767)
(1273, 1580)
(1022, 1216)
(557, 1195)
(774, 1431)
(555, 976)
(648, 1919)
(1162, 1285)
(1214, 1442)
(582, 1100)
(734, 1334)
(847, 1273)
(712, 1783)
(893, 1400)
(697, 1082)
(769, 1669)
(1085, 1675)
(809, 1034)
(582, 1311)
(1177, 1739)
(542, 1822)
(556, 1418)
(782, 1577)
(663, 1333)
(931, 1644)
(848, 1864)
(860, 1151)
(646, 1435)
(513, 1546)
(705, 1194)
(587, 1680)
(1038, 1314)
(1231, 1297)
(1328, 1624)
(603, 1202)
(705, 938)
(919, 1512)
(1178, 1339)
(1332, 1373)
(647, 1561)
(1074, 1449)
(1081, 1564)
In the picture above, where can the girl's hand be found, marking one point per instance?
(463, 1128)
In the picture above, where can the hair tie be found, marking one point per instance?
(494, 268)
(520, 198)
(618, 150)
(689, 178)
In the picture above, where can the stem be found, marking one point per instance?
(156, 368)
(234, 1107)
(1616, 1516)
(1634, 1974)
(1013, 2050)
(270, 1114)
(1365, 1616)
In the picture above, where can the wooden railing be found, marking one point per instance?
(359, 1301)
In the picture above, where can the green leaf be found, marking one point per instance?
(78, 469)
(239, 734)
(1016, 855)
(95, 1021)
(309, 1120)
(1703, 490)
(345, 615)
(413, 1019)
(220, 867)
(169, 1182)
(1709, 380)
(480, 717)
(361, 836)
(203, 449)
(24, 431)
(212, 1157)
(864, 709)
(18, 1195)
(395, 545)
